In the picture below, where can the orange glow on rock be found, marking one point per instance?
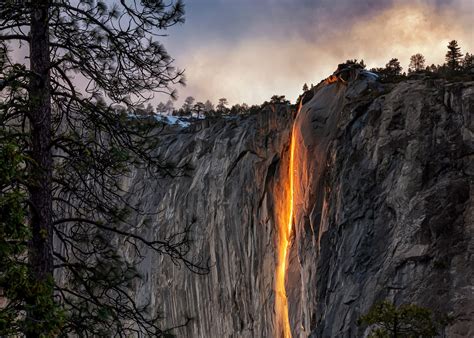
(285, 227)
(331, 79)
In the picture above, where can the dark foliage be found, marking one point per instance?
(453, 56)
(407, 320)
(355, 62)
(64, 153)
(417, 63)
(456, 68)
(391, 72)
(279, 99)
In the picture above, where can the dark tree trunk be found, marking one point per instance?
(40, 250)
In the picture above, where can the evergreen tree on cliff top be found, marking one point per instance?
(393, 67)
(468, 62)
(453, 56)
(63, 153)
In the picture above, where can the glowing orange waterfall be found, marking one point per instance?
(281, 303)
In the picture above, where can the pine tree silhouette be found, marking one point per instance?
(453, 56)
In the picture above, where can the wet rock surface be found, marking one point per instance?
(383, 210)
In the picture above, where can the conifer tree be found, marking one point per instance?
(208, 107)
(160, 108)
(468, 62)
(67, 149)
(188, 105)
(199, 108)
(453, 56)
(169, 107)
(222, 105)
(393, 68)
(407, 320)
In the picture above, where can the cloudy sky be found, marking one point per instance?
(248, 50)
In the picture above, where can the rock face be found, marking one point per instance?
(385, 204)
(400, 221)
(228, 199)
(383, 210)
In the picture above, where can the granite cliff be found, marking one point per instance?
(382, 210)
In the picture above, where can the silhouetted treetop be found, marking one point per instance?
(393, 67)
(453, 56)
(417, 62)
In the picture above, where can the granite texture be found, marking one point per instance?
(383, 210)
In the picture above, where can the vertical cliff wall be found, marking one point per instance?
(230, 199)
(382, 210)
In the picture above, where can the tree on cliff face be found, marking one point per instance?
(64, 152)
(453, 56)
(407, 320)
